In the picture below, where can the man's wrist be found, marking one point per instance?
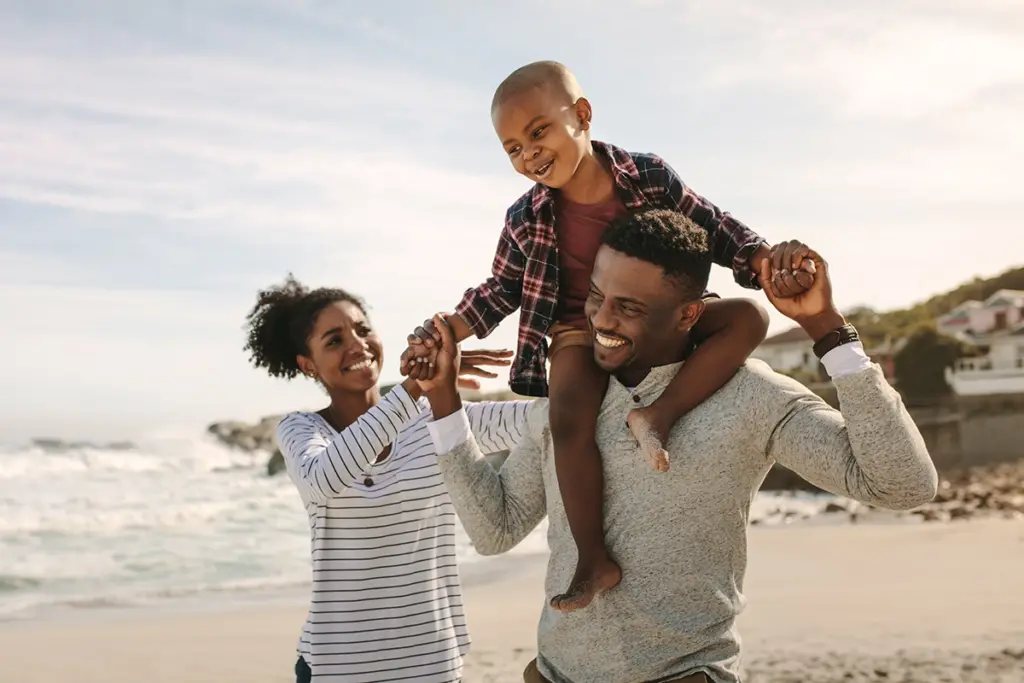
(444, 402)
(818, 326)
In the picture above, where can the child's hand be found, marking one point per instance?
(424, 342)
(792, 269)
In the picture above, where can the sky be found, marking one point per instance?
(162, 161)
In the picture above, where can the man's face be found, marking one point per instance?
(638, 316)
(543, 133)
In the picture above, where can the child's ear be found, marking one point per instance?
(584, 113)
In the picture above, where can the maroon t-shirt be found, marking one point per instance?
(579, 228)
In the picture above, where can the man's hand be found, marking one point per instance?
(813, 309)
(791, 265)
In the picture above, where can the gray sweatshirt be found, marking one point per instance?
(680, 536)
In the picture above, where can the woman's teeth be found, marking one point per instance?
(608, 342)
(361, 365)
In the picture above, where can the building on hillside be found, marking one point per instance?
(999, 371)
(1002, 311)
(792, 353)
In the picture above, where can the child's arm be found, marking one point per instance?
(483, 307)
(727, 332)
(733, 244)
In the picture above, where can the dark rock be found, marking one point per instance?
(275, 464)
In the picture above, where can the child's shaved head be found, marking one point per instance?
(554, 76)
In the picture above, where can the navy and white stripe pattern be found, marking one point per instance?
(386, 604)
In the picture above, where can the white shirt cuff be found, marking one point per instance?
(450, 432)
(846, 360)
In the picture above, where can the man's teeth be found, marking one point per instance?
(361, 365)
(608, 342)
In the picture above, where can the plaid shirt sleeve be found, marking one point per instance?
(732, 242)
(500, 295)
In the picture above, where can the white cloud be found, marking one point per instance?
(885, 60)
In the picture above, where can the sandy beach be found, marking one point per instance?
(917, 603)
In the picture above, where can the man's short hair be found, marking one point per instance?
(668, 239)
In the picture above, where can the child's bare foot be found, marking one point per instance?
(644, 423)
(589, 582)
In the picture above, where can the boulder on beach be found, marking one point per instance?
(251, 438)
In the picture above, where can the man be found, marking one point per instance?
(680, 536)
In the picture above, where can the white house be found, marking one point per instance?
(1001, 371)
(792, 351)
(788, 351)
(1001, 311)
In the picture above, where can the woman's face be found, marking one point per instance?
(344, 351)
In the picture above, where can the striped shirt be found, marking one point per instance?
(386, 604)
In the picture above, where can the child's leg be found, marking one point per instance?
(729, 331)
(576, 390)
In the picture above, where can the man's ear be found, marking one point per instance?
(690, 314)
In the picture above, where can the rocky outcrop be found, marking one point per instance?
(996, 490)
(251, 438)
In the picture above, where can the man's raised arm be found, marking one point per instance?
(870, 450)
(498, 509)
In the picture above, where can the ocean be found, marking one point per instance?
(86, 526)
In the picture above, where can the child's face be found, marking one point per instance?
(544, 134)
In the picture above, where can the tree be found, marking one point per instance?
(921, 363)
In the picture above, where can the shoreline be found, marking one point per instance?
(918, 602)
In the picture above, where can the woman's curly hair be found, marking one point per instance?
(280, 323)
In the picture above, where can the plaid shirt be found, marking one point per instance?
(525, 268)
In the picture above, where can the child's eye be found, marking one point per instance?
(513, 151)
(540, 131)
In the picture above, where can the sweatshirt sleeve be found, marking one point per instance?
(497, 508)
(870, 450)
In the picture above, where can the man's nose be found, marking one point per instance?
(604, 318)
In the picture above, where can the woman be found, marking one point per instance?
(386, 603)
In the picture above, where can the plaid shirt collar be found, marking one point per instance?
(624, 172)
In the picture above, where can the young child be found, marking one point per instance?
(543, 264)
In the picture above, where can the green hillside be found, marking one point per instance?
(876, 326)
